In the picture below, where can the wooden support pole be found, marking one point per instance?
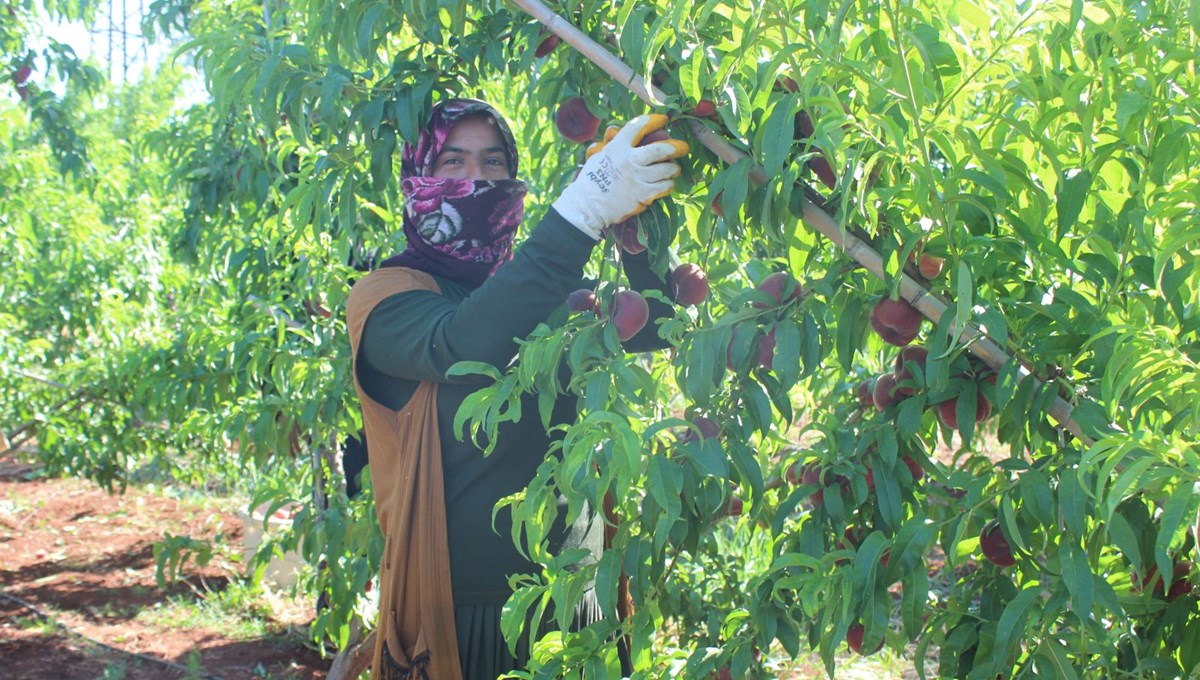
(812, 216)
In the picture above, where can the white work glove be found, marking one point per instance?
(620, 179)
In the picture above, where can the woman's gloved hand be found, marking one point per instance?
(621, 179)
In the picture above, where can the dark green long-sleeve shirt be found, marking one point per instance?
(418, 335)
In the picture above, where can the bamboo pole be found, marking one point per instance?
(812, 216)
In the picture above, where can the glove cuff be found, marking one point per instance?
(575, 212)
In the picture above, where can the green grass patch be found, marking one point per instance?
(238, 611)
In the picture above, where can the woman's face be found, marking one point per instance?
(473, 150)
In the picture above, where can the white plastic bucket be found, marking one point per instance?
(281, 570)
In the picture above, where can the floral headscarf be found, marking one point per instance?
(461, 229)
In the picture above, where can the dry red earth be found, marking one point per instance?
(77, 573)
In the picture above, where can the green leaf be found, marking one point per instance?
(1054, 654)
(909, 415)
(786, 363)
(887, 488)
(1009, 632)
(1179, 506)
(1118, 491)
(1091, 418)
(515, 611)
(1036, 497)
(709, 455)
(381, 157)
(777, 134)
(1072, 503)
(1071, 193)
(866, 563)
(1121, 534)
(1078, 576)
(1131, 108)
(914, 606)
(849, 334)
(965, 287)
(748, 469)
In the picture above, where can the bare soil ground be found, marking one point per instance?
(79, 599)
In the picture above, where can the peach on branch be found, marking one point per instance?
(866, 392)
(705, 108)
(1180, 583)
(896, 321)
(655, 136)
(853, 537)
(914, 468)
(1183, 585)
(823, 170)
(733, 508)
(930, 266)
(766, 350)
(802, 126)
(811, 474)
(715, 204)
(707, 429)
(884, 393)
(909, 357)
(582, 300)
(21, 75)
(629, 313)
(546, 46)
(575, 122)
(948, 411)
(781, 286)
(995, 546)
(854, 638)
(628, 235)
(794, 474)
(689, 284)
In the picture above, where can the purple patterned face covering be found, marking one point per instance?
(460, 229)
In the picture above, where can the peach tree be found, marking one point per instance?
(1040, 154)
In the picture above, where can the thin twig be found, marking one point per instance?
(275, 312)
(37, 378)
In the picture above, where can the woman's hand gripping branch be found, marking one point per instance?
(621, 179)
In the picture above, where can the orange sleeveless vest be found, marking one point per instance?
(415, 637)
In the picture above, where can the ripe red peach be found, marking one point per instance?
(896, 321)
(884, 393)
(775, 285)
(930, 266)
(690, 284)
(582, 300)
(575, 122)
(995, 546)
(629, 313)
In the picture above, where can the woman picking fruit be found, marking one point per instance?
(459, 293)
